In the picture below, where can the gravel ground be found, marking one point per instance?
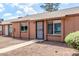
(7, 41)
(45, 48)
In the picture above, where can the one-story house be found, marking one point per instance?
(45, 26)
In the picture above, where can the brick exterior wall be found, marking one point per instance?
(29, 34)
(54, 37)
(16, 30)
(45, 30)
(32, 30)
(71, 24)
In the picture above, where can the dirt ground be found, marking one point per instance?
(7, 41)
(46, 48)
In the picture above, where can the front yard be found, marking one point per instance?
(45, 48)
(7, 41)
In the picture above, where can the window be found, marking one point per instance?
(50, 28)
(23, 27)
(57, 28)
(54, 27)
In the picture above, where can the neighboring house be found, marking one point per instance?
(1, 20)
(6, 28)
(44, 26)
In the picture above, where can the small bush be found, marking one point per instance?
(72, 40)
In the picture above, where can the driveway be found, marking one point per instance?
(46, 48)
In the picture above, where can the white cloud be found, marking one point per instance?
(22, 4)
(12, 17)
(14, 4)
(1, 8)
(29, 10)
(26, 8)
(30, 4)
(19, 12)
(7, 14)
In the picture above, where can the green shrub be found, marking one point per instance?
(72, 40)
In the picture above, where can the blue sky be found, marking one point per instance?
(14, 10)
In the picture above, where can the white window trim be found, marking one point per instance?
(54, 22)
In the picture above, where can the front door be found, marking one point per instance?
(6, 30)
(39, 30)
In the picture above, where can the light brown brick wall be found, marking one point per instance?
(16, 30)
(54, 37)
(32, 29)
(71, 24)
(29, 34)
(45, 30)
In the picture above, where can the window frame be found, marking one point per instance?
(55, 22)
(48, 28)
(23, 25)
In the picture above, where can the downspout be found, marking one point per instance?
(20, 30)
(46, 31)
(29, 30)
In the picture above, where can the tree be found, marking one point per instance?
(50, 6)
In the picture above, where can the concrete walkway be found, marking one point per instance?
(13, 47)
